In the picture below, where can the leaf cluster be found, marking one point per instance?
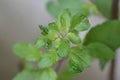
(54, 44)
(55, 41)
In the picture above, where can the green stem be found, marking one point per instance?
(59, 65)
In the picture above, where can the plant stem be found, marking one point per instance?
(21, 65)
(59, 65)
(114, 11)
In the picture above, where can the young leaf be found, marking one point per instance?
(52, 34)
(74, 38)
(79, 61)
(101, 51)
(63, 49)
(28, 75)
(64, 21)
(48, 74)
(39, 42)
(27, 51)
(48, 59)
(66, 75)
(44, 30)
(57, 43)
(53, 26)
(44, 41)
(80, 22)
(107, 33)
(48, 43)
(25, 75)
(53, 31)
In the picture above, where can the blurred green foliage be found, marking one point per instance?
(105, 6)
(55, 7)
(107, 33)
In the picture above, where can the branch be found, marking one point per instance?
(59, 65)
(115, 7)
(114, 13)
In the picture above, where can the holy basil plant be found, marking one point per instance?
(54, 44)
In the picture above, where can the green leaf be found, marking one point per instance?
(55, 7)
(44, 30)
(80, 22)
(25, 75)
(66, 75)
(100, 51)
(64, 21)
(105, 6)
(48, 74)
(52, 8)
(74, 38)
(53, 31)
(102, 63)
(79, 61)
(57, 43)
(63, 49)
(48, 43)
(40, 42)
(52, 34)
(53, 26)
(90, 9)
(44, 41)
(107, 33)
(48, 59)
(27, 51)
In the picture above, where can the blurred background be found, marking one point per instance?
(19, 20)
